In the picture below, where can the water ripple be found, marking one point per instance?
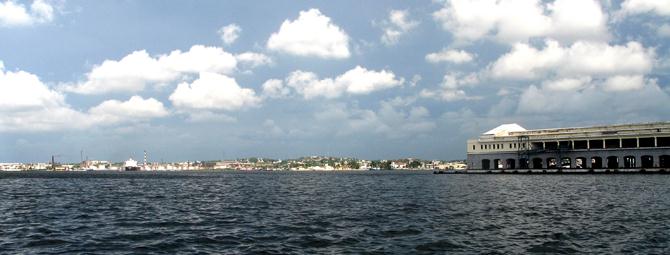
(314, 213)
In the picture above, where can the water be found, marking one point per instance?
(316, 213)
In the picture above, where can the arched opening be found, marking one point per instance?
(664, 161)
(580, 162)
(497, 164)
(647, 161)
(537, 163)
(629, 162)
(612, 162)
(511, 163)
(565, 162)
(486, 164)
(551, 163)
(596, 162)
(523, 163)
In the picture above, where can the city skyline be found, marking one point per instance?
(384, 80)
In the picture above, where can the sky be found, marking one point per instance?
(208, 80)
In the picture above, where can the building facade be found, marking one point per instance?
(629, 146)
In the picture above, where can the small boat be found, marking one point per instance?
(439, 172)
(131, 165)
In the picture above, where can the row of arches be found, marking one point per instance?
(610, 162)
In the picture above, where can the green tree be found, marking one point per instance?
(414, 164)
(353, 165)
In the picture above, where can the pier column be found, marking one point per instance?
(637, 139)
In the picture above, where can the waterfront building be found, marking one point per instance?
(627, 146)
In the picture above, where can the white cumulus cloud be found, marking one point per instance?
(451, 88)
(581, 58)
(137, 70)
(312, 34)
(602, 101)
(450, 55)
(624, 82)
(133, 110)
(512, 21)
(230, 33)
(27, 104)
(390, 120)
(274, 88)
(659, 7)
(397, 25)
(16, 14)
(198, 59)
(567, 84)
(310, 86)
(253, 59)
(363, 81)
(212, 91)
(358, 80)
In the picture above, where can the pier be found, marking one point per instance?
(510, 148)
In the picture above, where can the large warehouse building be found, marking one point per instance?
(629, 146)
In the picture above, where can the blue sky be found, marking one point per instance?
(202, 80)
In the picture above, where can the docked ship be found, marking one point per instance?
(131, 165)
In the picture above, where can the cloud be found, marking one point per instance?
(362, 81)
(14, 14)
(209, 117)
(130, 74)
(389, 120)
(229, 33)
(137, 70)
(574, 20)
(309, 86)
(415, 80)
(355, 81)
(23, 91)
(663, 30)
(272, 128)
(212, 91)
(510, 21)
(580, 59)
(253, 60)
(134, 110)
(453, 56)
(312, 34)
(624, 82)
(598, 101)
(27, 104)
(567, 84)
(199, 59)
(451, 87)
(397, 25)
(658, 7)
(274, 88)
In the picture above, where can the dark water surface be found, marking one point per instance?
(316, 213)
